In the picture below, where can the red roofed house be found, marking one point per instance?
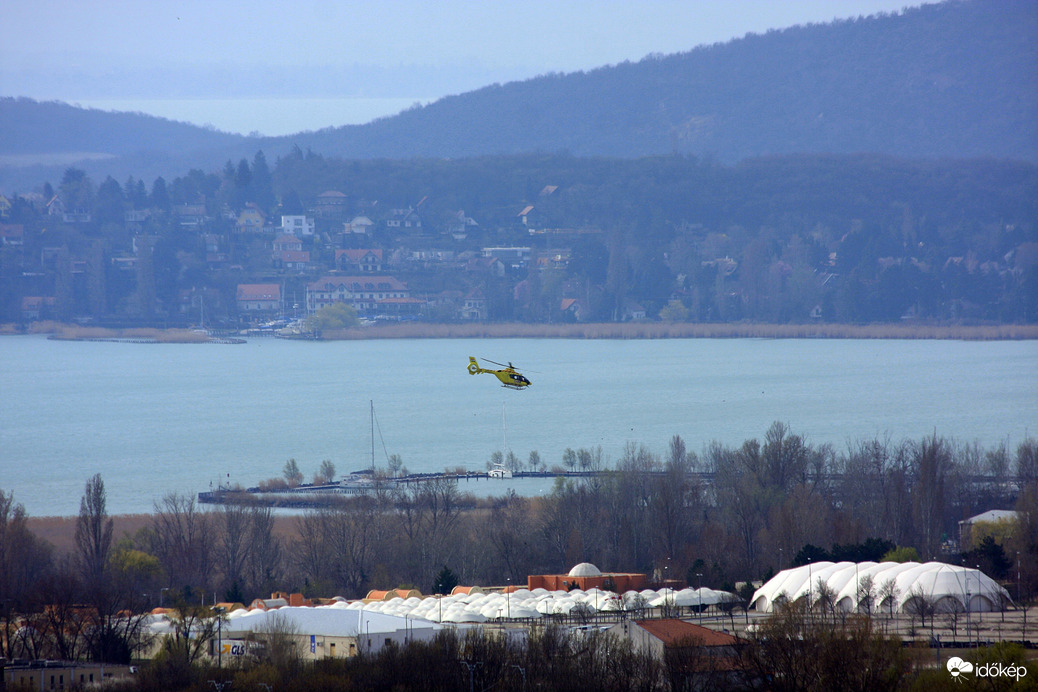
(288, 252)
(254, 298)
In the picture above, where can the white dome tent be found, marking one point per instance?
(895, 585)
(585, 569)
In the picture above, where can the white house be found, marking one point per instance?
(299, 226)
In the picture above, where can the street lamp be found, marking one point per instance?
(508, 599)
(699, 593)
(1018, 578)
(979, 618)
(967, 605)
(809, 586)
(162, 592)
(219, 610)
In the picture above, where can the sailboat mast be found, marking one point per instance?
(371, 402)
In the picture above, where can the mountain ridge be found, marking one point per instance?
(954, 79)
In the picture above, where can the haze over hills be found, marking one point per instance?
(956, 79)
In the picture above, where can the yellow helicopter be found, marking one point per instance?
(509, 376)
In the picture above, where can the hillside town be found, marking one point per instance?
(244, 249)
(274, 268)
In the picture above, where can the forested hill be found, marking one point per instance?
(948, 80)
(955, 79)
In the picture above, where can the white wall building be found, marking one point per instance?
(299, 226)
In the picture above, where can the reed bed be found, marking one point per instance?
(69, 332)
(685, 330)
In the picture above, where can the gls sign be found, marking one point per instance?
(961, 669)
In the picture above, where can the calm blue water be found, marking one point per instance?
(159, 418)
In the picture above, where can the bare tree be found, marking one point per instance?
(282, 645)
(293, 476)
(326, 472)
(24, 560)
(866, 594)
(889, 595)
(508, 531)
(931, 464)
(264, 554)
(184, 540)
(674, 495)
(194, 626)
(93, 532)
(232, 553)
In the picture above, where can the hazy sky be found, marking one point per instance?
(387, 53)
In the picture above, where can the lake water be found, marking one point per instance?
(158, 418)
(272, 117)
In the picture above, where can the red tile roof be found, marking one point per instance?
(676, 632)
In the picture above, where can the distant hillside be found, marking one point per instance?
(35, 127)
(956, 79)
(948, 80)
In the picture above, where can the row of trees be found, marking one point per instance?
(731, 514)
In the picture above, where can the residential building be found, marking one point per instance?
(190, 216)
(330, 204)
(404, 218)
(486, 265)
(998, 523)
(364, 261)
(292, 259)
(575, 308)
(259, 298)
(287, 247)
(298, 225)
(459, 225)
(37, 308)
(474, 308)
(514, 257)
(287, 241)
(360, 225)
(250, 220)
(365, 294)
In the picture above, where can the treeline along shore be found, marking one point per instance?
(729, 513)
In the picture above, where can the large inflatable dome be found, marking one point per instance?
(949, 588)
(585, 569)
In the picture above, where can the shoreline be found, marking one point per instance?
(686, 330)
(597, 330)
